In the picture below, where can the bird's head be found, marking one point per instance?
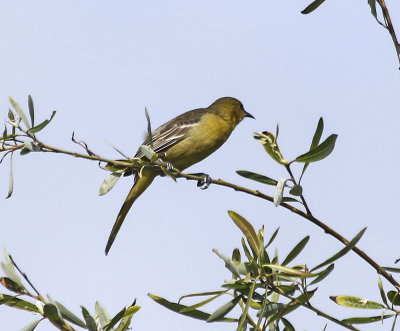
(230, 109)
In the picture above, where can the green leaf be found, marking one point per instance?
(42, 125)
(19, 111)
(126, 319)
(11, 116)
(178, 307)
(109, 183)
(372, 4)
(149, 133)
(390, 269)
(287, 324)
(315, 141)
(54, 316)
(312, 6)
(270, 145)
(272, 237)
(14, 302)
(394, 297)
(236, 256)
(223, 310)
(8, 269)
(290, 271)
(296, 250)
(12, 286)
(290, 199)
(257, 177)
(343, 251)
(5, 132)
(229, 264)
(102, 313)
(366, 320)
(31, 326)
(247, 230)
(70, 316)
(202, 303)
(243, 318)
(115, 320)
(90, 323)
(381, 291)
(320, 152)
(10, 178)
(271, 308)
(246, 250)
(323, 274)
(199, 295)
(296, 190)
(31, 110)
(355, 302)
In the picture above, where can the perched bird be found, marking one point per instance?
(185, 140)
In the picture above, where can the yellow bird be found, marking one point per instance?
(185, 140)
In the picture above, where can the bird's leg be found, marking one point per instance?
(204, 182)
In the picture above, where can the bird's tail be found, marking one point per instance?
(141, 184)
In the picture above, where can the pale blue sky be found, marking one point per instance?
(100, 63)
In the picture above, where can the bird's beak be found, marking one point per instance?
(246, 114)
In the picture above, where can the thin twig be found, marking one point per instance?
(389, 26)
(39, 296)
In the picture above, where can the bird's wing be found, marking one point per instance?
(174, 131)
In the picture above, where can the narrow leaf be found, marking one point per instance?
(102, 313)
(290, 271)
(178, 307)
(343, 251)
(10, 178)
(247, 230)
(109, 182)
(90, 323)
(312, 6)
(42, 125)
(257, 177)
(372, 4)
(149, 133)
(243, 318)
(355, 302)
(366, 320)
(382, 292)
(8, 268)
(12, 286)
(200, 295)
(126, 319)
(115, 320)
(390, 269)
(19, 111)
(323, 274)
(14, 302)
(287, 324)
(394, 297)
(272, 237)
(70, 316)
(223, 310)
(296, 250)
(202, 303)
(31, 326)
(320, 152)
(31, 110)
(54, 316)
(229, 264)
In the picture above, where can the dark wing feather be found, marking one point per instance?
(174, 131)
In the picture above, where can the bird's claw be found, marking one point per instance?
(204, 182)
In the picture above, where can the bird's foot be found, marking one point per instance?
(204, 182)
(168, 167)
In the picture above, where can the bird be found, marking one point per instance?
(183, 141)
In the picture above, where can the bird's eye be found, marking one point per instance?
(241, 106)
